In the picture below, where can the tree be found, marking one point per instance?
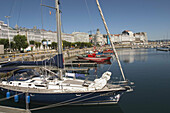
(4, 42)
(37, 45)
(66, 44)
(32, 42)
(49, 45)
(20, 41)
(44, 40)
(13, 46)
(54, 45)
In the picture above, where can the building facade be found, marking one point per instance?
(99, 39)
(127, 38)
(38, 35)
(80, 37)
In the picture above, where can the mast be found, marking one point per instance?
(108, 33)
(59, 40)
(7, 17)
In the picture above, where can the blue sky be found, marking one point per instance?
(151, 16)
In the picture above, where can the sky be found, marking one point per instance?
(151, 16)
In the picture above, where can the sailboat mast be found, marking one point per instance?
(59, 40)
(108, 33)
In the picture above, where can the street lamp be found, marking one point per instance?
(7, 17)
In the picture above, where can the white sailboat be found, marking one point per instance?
(56, 89)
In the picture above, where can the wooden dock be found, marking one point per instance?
(80, 61)
(70, 69)
(5, 109)
(81, 64)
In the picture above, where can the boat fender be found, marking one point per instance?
(28, 99)
(7, 95)
(16, 98)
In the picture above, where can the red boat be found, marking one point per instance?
(94, 57)
(108, 51)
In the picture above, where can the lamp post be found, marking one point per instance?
(7, 17)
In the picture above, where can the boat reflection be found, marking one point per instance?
(110, 108)
(84, 109)
(105, 62)
(131, 55)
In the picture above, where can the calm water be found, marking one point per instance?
(148, 69)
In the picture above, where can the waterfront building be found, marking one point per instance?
(68, 37)
(80, 37)
(141, 38)
(116, 38)
(38, 35)
(4, 31)
(129, 38)
(99, 39)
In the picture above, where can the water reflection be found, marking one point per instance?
(84, 109)
(112, 108)
(131, 55)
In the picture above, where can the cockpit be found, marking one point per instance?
(24, 74)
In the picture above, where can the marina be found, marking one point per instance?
(59, 67)
(42, 85)
(147, 96)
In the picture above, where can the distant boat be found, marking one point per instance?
(162, 49)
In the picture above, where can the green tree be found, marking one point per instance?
(66, 44)
(4, 42)
(42, 42)
(37, 45)
(32, 42)
(13, 45)
(20, 41)
(54, 45)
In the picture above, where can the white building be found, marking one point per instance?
(38, 35)
(4, 31)
(141, 38)
(68, 37)
(99, 39)
(127, 37)
(80, 37)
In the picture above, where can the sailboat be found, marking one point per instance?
(44, 86)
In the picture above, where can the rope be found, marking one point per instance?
(111, 63)
(42, 19)
(61, 103)
(90, 18)
(9, 97)
(88, 12)
(12, 6)
(62, 26)
(19, 12)
(57, 105)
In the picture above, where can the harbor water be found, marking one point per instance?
(147, 68)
